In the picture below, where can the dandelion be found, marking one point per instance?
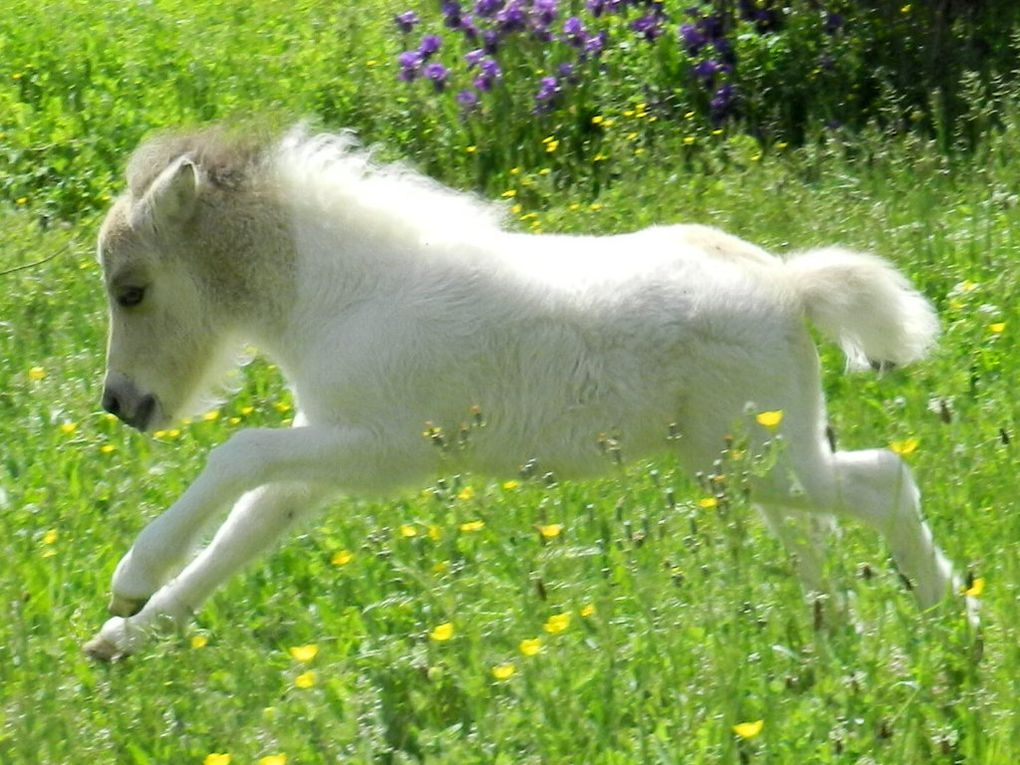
(199, 641)
(36, 373)
(304, 653)
(216, 758)
(282, 407)
(49, 537)
(976, 588)
(246, 410)
(588, 609)
(509, 194)
(552, 146)
(68, 428)
(748, 730)
(305, 680)
(342, 557)
(557, 623)
(707, 503)
(470, 149)
(905, 446)
(107, 449)
(598, 119)
(770, 419)
(21, 201)
(470, 526)
(407, 530)
(531, 646)
(503, 672)
(434, 533)
(211, 416)
(689, 140)
(273, 759)
(442, 632)
(465, 494)
(998, 327)
(551, 530)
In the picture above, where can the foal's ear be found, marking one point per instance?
(171, 198)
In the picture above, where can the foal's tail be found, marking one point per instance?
(863, 303)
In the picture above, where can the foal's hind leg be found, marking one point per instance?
(802, 536)
(876, 486)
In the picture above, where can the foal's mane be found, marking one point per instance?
(333, 174)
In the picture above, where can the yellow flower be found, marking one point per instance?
(20, 200)
(173, 433)
(503, 671)
(587, 610)
(509, 194)
(551, 146)
(472, 526)
(598, 119)
(905, 446)
(441, 567)
(246, 410)
(905, 9)
(976, 588)
(435, 533)
(557, 623)
(107, 449)
(510, 485)
(199, 641)
(36, 373)
(342, 557)
(997, 327)
(274, 759)
(551, 530)
(531, 646)
(471, 149)
(68, 428)
(212, 415)
(689, 139)
(749, 729)
(465, 494)
(49, 537)
(442, 632)
(707, 503)
(282, 407)
(216, 759)
(408, 530)
(771, 419)
(304, 653)
(305, 680)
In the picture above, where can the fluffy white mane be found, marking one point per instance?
(333, 172)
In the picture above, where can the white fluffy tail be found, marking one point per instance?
(863, 303)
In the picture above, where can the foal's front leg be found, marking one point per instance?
(318, 457)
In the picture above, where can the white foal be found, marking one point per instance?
(390, 302)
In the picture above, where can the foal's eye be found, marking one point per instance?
(130, 296)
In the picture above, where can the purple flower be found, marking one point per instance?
(429, 45)
(410, 64)
(406, 21)
(692, 38)
(452, 14)
(490, 41)
(488, 8)
(489, 73)
(707, 70)
(648, 26)
(596, 7)
(721, 103)
(833, 23)
(545, 12)
(548, 87)
(511, 18)
(437, 73)
(468, 99)
(474, 58)
(573, 30)
(595, 44)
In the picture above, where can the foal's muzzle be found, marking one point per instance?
(122, 399)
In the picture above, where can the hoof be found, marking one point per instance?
(122, 606)
(101, 649)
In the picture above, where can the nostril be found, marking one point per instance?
(111, 403)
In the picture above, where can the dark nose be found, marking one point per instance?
(126, 403)
(111, 402)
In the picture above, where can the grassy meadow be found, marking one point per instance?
(618, 621)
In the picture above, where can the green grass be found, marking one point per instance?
(698, 621)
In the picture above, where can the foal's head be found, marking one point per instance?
(175, 254)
